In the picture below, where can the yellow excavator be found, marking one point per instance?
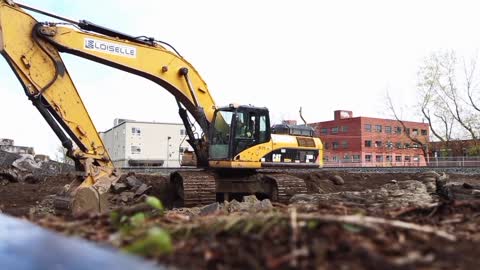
(239, 150)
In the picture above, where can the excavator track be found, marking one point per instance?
(285, 186)
(195, 188)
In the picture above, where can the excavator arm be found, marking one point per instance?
(32, 50)
(40, 69)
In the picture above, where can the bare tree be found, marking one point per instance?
(430, 104)
(450, 93)
(422, 143)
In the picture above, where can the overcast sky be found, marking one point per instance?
(321, 55)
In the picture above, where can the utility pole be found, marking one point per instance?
(168, 150)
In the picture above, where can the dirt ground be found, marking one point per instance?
(366, 221)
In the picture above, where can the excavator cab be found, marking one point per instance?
(237, 128)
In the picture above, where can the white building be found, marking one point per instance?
(145, 144)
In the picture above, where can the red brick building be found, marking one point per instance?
(366, 141)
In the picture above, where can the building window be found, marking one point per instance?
(368, 143)
(334, 158)
(378, 128)
(136, 131)
(407, 158)
(346, 158)
(398, 158)
(423, 132)
(416, 158)
(326, 145)
(136, 149)
(344, 144)
(399, 145)
(407, 145)
(389, 145)
(378, 143)
(378, 158)
(324, 131)
(407, 131)
(415, 132)
(368, 127)
(344, 128)
(325, 158)
(388, 129)
(334, 130)
(182, 132)
(356, 158)
(334, 145)
(398, 130)
(415, 145)
(368, 158)
(388, 158)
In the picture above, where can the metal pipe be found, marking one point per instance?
(46, 13)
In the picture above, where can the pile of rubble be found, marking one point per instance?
(28, 168)
(129, 190)
(249, 204)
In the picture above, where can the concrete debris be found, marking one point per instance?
(127, 196)
(391, 195)
(250, 204)
(251, 199)
(476, 192)
(433, 174)
(442, 189)
(142, 190)
(210, 209)
(119, 188)
(337, 179)
(133, 182)
(27, 162)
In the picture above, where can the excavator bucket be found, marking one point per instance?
(89, 194)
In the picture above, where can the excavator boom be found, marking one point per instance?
(235, 141)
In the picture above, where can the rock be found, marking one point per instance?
(10, 175)
(133, 182)
(29, 178)
(233, 206)
(401, 194)
(302, 198)
(142, 189)
(337, 180)
(432, 174)
(210, 209)
(476, 192)
(265, 204)
(26, 162)
(126, 196)
(442, 189)
(251, 199)
(119, 188)
(393, 181)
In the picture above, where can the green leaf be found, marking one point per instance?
(137, 219)
(157, 241)
(312, 224)
(352, 228)
(115, 218)
(154, 203)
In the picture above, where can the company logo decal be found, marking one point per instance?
(111, 48)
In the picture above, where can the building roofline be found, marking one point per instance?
(140, 122)
(369, 118)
